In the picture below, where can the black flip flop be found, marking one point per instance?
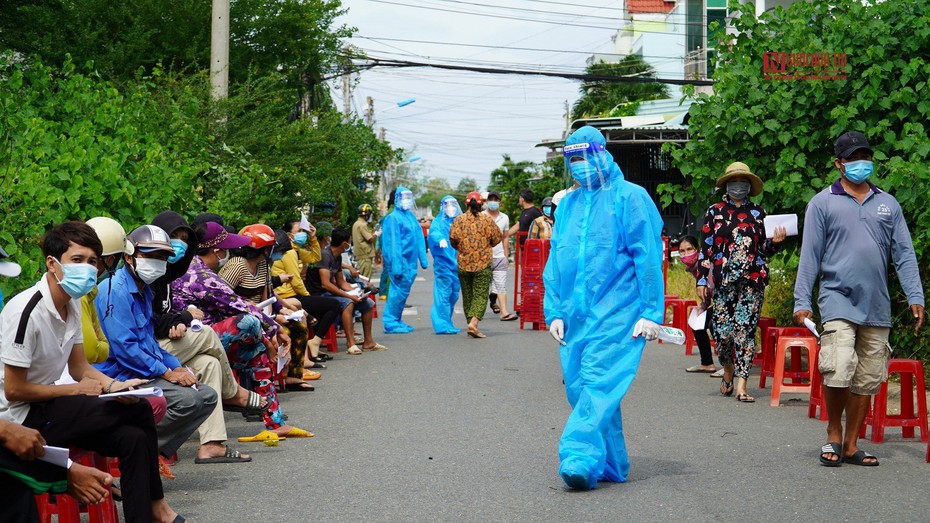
(253, 405)
(231, 456)
(510, 317)
(831, 448)
(314, 365)
(298, 387)
(859, 458)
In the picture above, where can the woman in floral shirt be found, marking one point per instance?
(473, 235)
(733, 258)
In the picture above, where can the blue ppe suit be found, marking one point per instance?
(603, 275)
(401, 245)
(445, 268)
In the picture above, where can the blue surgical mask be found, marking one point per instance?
(859, 171)
(547, 210)
(275, 256)
(301, 238)
(79, 278)
(180, 248)
(586, 174)
(493, 206)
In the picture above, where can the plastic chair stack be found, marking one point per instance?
(818, 399)
(535, 254)
(67, 509)
(779, 386)
(679, 318)
(772, 334)
(912, 372)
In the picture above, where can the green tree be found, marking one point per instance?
(601, 98)
(785, 130)
(545, 179)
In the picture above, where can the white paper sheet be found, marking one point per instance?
(811, 326)
(304, 223)
(266, 303)
(282, 361)
(56, 456)
(788, 221)
(148, 391)
(697, 319)
(295, 316)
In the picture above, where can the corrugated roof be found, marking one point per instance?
(650, 6)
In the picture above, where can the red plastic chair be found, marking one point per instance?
(818, 399)
(912, 372)
(768, 353)
(781, 350)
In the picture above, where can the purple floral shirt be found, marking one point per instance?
(204, 289)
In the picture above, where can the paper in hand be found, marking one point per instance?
(148, 391)
(55, 456)
(697, 319)
(304, 223)
(266, 303)
(811, 326)
(788, 221)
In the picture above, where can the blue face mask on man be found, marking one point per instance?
(859, 171)
(180, 248)
(79, 278)
(301, 238)
(493, 206)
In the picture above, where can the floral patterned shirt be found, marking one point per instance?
(204, 289)
(735, 246)
(474, 237)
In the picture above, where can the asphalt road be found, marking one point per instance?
(447, 428)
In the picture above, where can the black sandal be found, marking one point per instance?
(726, 387)
(314, 365)
(496, 309)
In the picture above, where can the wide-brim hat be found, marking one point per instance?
(741, 170)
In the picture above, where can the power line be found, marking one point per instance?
(375, 62)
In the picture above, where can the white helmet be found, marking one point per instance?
(112, 236)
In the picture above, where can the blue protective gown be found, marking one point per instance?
(604, 273)
(445, 268)
(401, 245)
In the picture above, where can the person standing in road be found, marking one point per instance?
(527, 216)
(733, 258)
(603, 290)
(499, 257)
(851, 229)
(364, 240)
(474, 235)
(402, 246)
(445, 267)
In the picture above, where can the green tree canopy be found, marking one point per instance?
(610, 99)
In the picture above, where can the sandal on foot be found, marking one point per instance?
(831, 448)
(299, 387)
(860, 457)
(375, 347)
(509, 317)
(253, 405)
(231, 456)
(726, 387)
(354, 350)
(475, 333)
(314, 365)
(745, 398)
(697, 368)
(310, 375)
(495, 309)
(163, 468)
(265, 435)
(718, 373)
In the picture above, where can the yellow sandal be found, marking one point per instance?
(265, 435)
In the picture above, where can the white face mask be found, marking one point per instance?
(222, 260)
(150, 269)
(451, 211)
(406, 203)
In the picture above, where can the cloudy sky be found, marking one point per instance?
(462, 122)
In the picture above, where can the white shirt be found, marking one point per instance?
(503, 222)
(46, 345)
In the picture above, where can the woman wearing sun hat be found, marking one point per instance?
(733, 256)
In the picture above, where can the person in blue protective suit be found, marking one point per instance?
(401, 247)
(604, 294)
(445, 267)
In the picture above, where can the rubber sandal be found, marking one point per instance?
(231, 456)
(831, 448)
(354, 350)
(179, 519)
(495, 309)
(314, 365)
(697, 368)
(164, 469)
(253, 405)
(298, 433)
(509, 317)
(718, 373)
(310, 375)
(859, 458)
(476, 334)
(299, 387)
(322, 358)
(376, 347)
(745, 398)
(726, 387)
(265, 435)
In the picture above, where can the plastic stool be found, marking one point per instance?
(765, 324)
(781, 350)
(912, 372)
(61, 505)
(818, 398)
(768, 352)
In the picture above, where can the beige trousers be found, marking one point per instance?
(203, 352)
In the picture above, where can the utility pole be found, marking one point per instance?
(568, 120)
(370, 113)
(382, 183)
(346, 86)
(219, 50)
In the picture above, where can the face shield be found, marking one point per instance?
(588, 164)
(404, 200)
(450, 207)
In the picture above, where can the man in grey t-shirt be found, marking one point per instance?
(850, 229)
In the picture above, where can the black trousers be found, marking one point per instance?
(324, 309)
(702, 337)
(112, 429)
